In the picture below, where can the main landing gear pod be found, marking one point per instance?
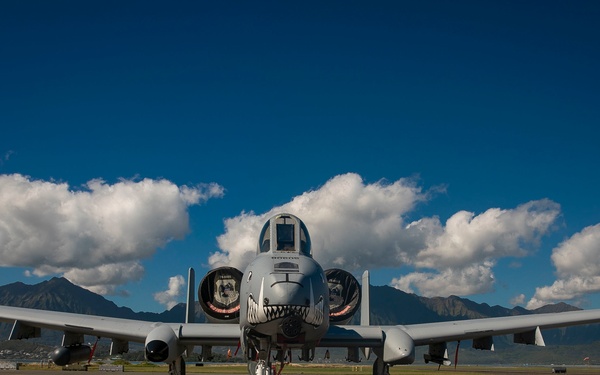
(71, 354)
(344, 296)
(219, 295)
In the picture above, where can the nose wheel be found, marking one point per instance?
(261, 367)
(259, 355)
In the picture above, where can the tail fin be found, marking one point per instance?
(190, 312)
(365, 312)
(190, 308)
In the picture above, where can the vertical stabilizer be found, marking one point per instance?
(365, 311)
(190, 312)
(190, 308)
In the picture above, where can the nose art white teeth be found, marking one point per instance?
(272, 312)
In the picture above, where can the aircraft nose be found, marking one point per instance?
(281, 297)
(293, 303)
(289, 290)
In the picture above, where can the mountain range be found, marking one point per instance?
(388, 306)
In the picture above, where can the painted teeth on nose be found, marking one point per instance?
(259, 313)
(254, 312)
(275, 312)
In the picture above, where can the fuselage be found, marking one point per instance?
(284, 294)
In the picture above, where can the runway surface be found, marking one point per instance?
(216, 369)
(365, 371)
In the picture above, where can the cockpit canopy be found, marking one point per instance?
(284, 232)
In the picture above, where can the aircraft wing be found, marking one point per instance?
(121, 329)
(429, 333)
(343, 336)
(396, 344)
(392, 344)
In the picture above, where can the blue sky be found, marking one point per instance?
(382, 119)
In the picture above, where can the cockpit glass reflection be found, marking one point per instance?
(284, 233)
(285, 236)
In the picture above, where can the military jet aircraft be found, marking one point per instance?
(283, 302)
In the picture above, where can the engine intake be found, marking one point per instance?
(162, 345)
(344, 295)
(219, 295)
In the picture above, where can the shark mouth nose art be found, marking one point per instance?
(259, 312)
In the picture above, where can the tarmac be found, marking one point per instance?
(61, 372)
(470, 370)
(497, 371)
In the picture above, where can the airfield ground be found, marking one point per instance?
(324, 370)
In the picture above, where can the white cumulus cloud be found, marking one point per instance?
(169, 297)
(518, 300)
(352, 224)
(577, 262)
(465, 280)
(355, 225)
(463, 252)
(96, 235)
(495, 233)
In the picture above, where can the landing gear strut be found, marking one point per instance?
(177, 367)
(380, 367)
(259, 355)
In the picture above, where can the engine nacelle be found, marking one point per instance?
(398, 347)
(70, 354)
(219, 295)
(162, 345)
(344, 295)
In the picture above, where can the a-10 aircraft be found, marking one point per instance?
(283, 301)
